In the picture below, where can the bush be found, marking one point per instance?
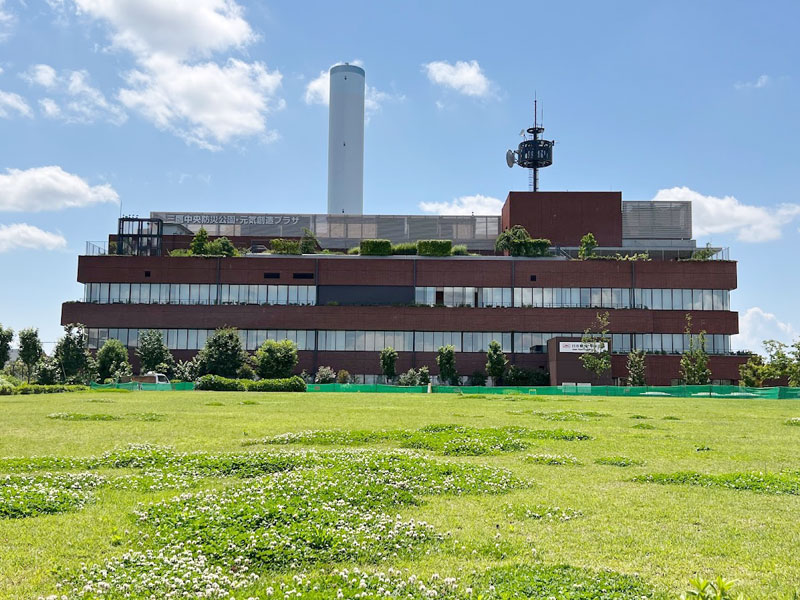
(285, 384)
(388, 358)
(112, 358)
(219, 384)
(354, 251)
(325, 375)
(221, 247)
(406, 248)
(223, 354)
(460, 250)
(519, 376)
(6, 389)
(282, 246)
(446, 361)
(343, 376)
(33, 388)
(408, 379)
(375, 248)
(424, 374)
(434, 247)
(244, 372)
(478, 378)
(309, 244)
(276, 359)
(518, 242)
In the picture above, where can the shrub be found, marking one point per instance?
(219, 384)
(408, 379)
(282, 246)
(460, 250)
(424, 375)
(520, 376)
(33, 388)
(276, 359)
(223, 353)
(478, 378)
(496, 360)
(406, 248)
(389, 362)
(285, 384)
(221, 247)
(309, 244)
(112, 359)
(152, 352)
(375, 248)
(48, 371)
(518, 242)
(6, 389)
(446, 360)
(244, 372)
(354, 251)
(325, 375)
(588, 244)
(434, 247)
(342, 376)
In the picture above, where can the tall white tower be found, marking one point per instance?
(346, 141)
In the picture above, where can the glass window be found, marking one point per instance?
(184, 293)
(340, 340)
(194, 293)
(172, 339)
(182, 339)
(103, 293)
(606, 297)
(697, 299)
(547, 294)
(283, 294)
(133, 338)
(716, 300)
(677, 299)
(597, 297)
(527, 297)
(666, 301)
(427, 343)
(312, 295)
(466, 338)
(537, 297)
(448, 296)
(726, 300)
(506, 342)
(616, 297)
(438, 340)
(272, 294)
(380, 341)
(506, 297)
(360, 343)
(656, 299)
(369, 341)
(707, 300)
(302, 294)
(125, 293)
(292, 294)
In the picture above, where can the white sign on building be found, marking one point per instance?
(582, 347)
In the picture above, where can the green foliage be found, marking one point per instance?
(153, 352)
(45, 494)
(223, 354)
(244, 372)
(478, 378)
(112, 360)
(309, 244)
(459, 250)
(48, 371)
(496, 360)
(618, 461)
(434, 247)
(694, 361)
(406, 248)
(375, 248)
(342, 376)
(552, 459)
(597, 362)
(408, 379)
(526, 377)
(325, 375)
(199, 242)
(284, 384)
(752, 373)
(702, 254)
(83, 417)
(219, 384)
(638, 256)
(518, 242)
(587, 246)
(27, 389)
(276, 359)
(446, 360)
(636, 368)
(354, 251)
(388, 358)
(30, 349)
(6, 336)
(221, 247)
(424, 375)
(710, 590)
(782, 361)
(187, 370)
(282, 246)
(76, 363)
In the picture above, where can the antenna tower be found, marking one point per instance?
(533, 152)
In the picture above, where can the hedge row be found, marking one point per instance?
(422, 248)
(223, 384)
(434, 247)
(7, 390)
(375, 248)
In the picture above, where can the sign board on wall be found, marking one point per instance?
(582, 347)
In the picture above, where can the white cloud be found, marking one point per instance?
(180, 28)
(205, 104)
(757, 325)
(49, 108)
(50, 188)
(762, 82)
(11, 103)
(6, 21)
(464, 77)
(22, 235)
(43, 75)
(82, 103)
(465, 205)
(318, 91)
(749, 223)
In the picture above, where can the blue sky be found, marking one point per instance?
(140, 105)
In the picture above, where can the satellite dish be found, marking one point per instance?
(510, 158)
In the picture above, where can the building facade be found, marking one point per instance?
(342, 310)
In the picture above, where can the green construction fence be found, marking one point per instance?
(133, 386)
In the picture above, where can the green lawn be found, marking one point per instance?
(565, 509)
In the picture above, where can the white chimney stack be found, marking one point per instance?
(346, 140)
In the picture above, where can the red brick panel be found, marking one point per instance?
(364, 270)
(470, 272)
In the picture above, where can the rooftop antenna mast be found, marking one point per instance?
(532, 153)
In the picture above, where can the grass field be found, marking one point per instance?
(662, 489)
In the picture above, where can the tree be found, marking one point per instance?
(223, 353)
(753, 372)
(199, 242)
(276, 360)
(588, 244)
(6, 337)
(112, 361)
(309, 244)
(598, 361)
(636, 368)
(694, 361)
(496, 361)
(73, 356)
(48, 371)
(446, 359)
(152, 352)
(30, 349)
(389, 363)
(518, 242)
(221, 247)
